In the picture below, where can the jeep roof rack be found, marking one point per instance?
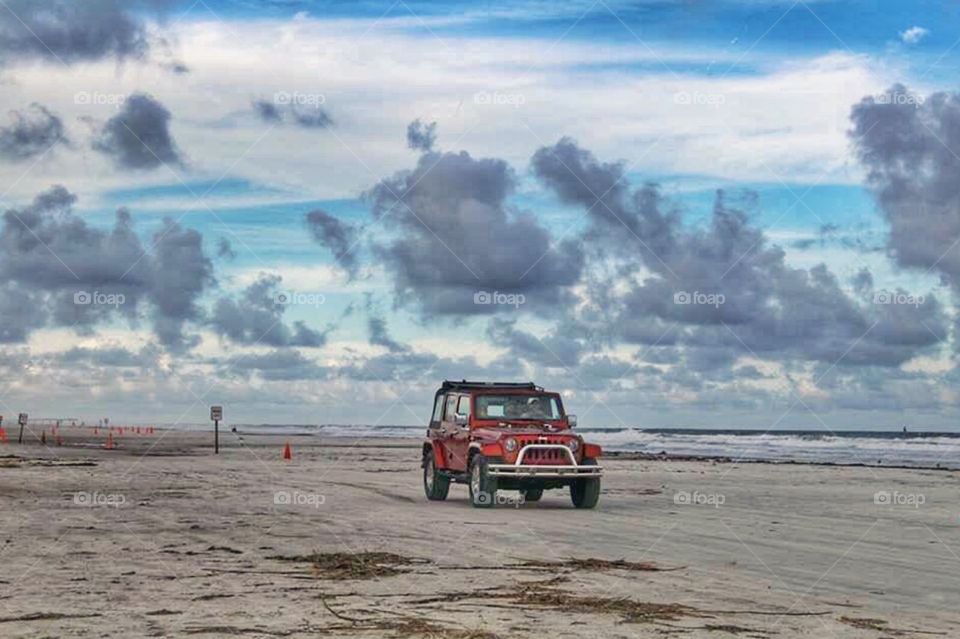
(467, 385)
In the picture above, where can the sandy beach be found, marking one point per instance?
(160, 538)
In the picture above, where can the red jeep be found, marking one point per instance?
(497, 436)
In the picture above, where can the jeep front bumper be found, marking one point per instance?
(519, 469)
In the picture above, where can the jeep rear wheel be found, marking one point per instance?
(585, 493)
(483, 487)
(435, 484)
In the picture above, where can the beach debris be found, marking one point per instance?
(409, 626)
(880, 625)
(287, 453)
(598, 565)
(362, 565)
(42, 616)
(545, 596)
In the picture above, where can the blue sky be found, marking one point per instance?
(750, 98)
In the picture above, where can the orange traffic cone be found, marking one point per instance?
(96, 431)
(109, 445)
(287, 453)
(3, 435)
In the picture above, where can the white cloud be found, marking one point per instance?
(914, 34)
(375, 79)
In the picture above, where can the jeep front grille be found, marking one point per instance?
(549, 456)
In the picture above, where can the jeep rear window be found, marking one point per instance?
(517, 407)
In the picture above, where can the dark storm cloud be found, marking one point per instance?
(138, 137)
(267, 111)
(107, 356)
(457, 237)
(409, 366)
(420, 136)
(311, 117)
(284, 364)
(54, 266)
(910, 151)
(256, 317)
(725, 288)
(380, 336)
(30, 134)
(225, 249)
(181, 271)
(337, 236)
(559, 348)
(69, 31)
(305, 116)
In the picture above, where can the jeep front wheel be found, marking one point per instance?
(532, 494)
(585, 493)
(483, 487)
(435, 484)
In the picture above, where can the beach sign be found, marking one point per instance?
(22, 420)
(216, 414)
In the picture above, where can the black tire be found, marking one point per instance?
(585, 493)
(483, 487)
(532, 494)
(436, 485)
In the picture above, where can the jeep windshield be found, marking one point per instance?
(517, 407)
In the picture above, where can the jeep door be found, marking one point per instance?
(456, 429)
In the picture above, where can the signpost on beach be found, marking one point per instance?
(216, 414)
(22, 420)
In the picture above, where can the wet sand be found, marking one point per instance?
(160, 538)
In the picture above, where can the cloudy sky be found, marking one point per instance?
(739, 214)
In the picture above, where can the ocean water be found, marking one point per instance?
(884, 448)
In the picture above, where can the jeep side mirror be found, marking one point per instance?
(460, 420)
(571, 421)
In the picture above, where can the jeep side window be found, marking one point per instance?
(437, 410)
(463, 406)
(451, 408)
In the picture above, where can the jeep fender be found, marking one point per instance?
(591, 451)
(435, 450)
(487, 450)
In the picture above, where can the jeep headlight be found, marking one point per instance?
(574, 445)
(510, 444)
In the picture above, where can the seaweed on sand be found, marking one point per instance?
(598, 565)
(410, 626)
(361, 565)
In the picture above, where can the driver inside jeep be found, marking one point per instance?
(528, 408)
